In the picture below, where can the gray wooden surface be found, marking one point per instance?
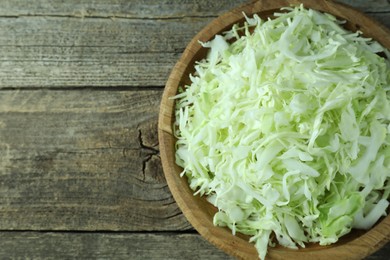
(80, 86)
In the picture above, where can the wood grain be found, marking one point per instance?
(82, 160)
(72, 52)
(197, 209)
(96, 245)
(368, 6)
(152, 9)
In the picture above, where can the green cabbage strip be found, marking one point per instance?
(285, 128)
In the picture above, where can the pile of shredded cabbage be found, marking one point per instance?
(285, 128)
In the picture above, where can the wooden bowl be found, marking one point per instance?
(199, 212)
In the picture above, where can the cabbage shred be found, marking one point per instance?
(285, 128)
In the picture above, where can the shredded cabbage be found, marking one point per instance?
(285, 128)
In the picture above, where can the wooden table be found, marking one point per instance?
(80, 173)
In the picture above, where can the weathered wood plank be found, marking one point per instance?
(57, 52)
(83, 160)
(144, 9)
(370, 6)
(73, 52)
(95, 245)
(34, 245)
(121, 8)
(383, 18)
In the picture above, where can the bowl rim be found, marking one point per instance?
(192, 206)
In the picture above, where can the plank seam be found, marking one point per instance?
(111, 17)
(184, 231)
(91, 88)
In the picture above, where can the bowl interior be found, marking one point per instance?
(197, 210)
